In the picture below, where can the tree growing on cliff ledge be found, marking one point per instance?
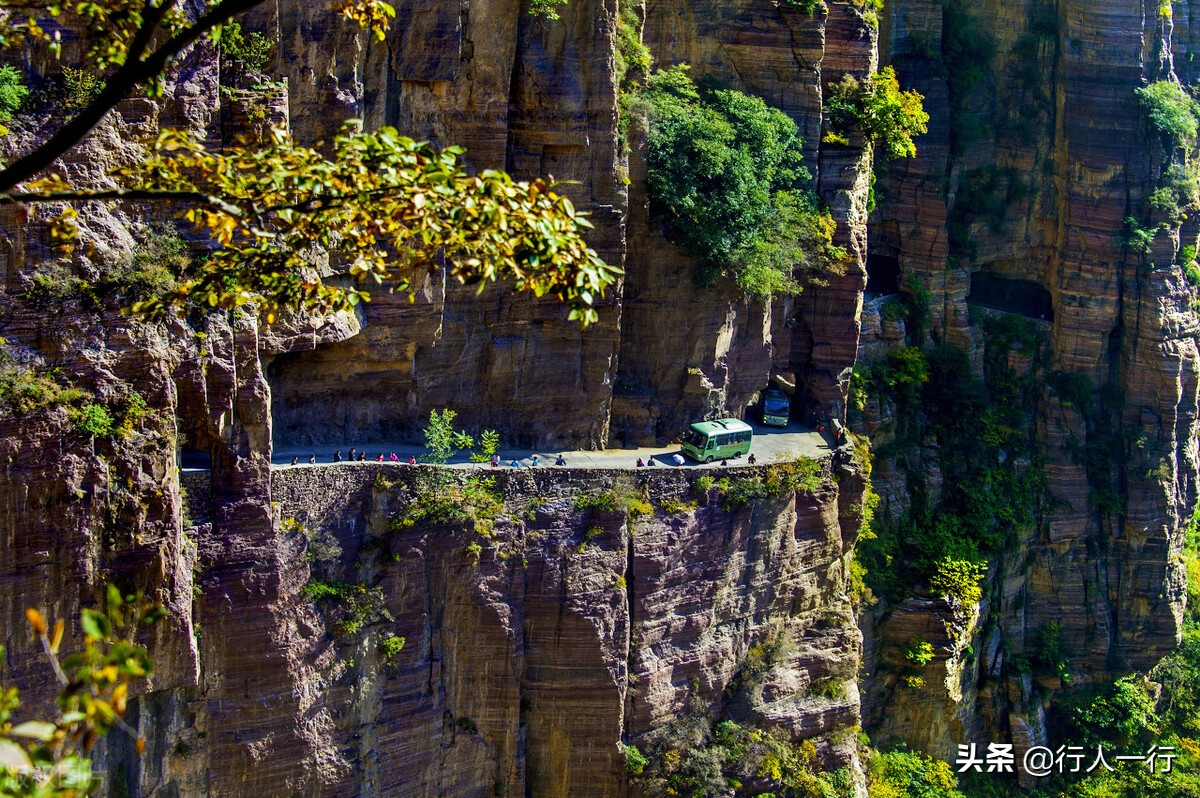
(727, 177)
(390, 208)
(888, 117)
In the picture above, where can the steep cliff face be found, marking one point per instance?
(687, 351)
(534, 645)
(575, 630)
(519, 93)
(538, 97)
(1017, 200)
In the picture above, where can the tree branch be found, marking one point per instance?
(132, 73)
(152, 17)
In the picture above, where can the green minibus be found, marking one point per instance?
(775, 408)
(706, 441)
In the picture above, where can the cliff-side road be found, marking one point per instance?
(771, 444)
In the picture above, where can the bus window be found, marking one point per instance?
(710, 443)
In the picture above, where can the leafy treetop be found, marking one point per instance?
(888, 117)
(726, 172)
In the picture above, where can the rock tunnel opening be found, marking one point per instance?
(317, 400)
(1011, 296)
(883, 274)
(190, 458)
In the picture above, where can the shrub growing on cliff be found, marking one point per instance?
(695, 757)
(807, 6)
(909, 774)
(888, 117)
(1171, 111)
(450, 498)
(727, 178)
(391, 646)
(94, 420)
(357, 605)
(802, 475)
(623, 497)
(149, 273)
(918, 651)
(957, 579)
(27, 389)
(13, 93)
(635, 760)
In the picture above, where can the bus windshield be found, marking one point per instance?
(775, 405)
(695, 437)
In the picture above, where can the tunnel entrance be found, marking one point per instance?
(883, 274)
(1012, 296)
(192, 459)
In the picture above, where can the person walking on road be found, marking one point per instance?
(337, 456)
(640, 463)
(561, 461)
(312, 459)
(534, 461)
(295, 461)
(678, 459)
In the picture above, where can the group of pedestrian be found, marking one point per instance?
(356, 456)
(534, 461)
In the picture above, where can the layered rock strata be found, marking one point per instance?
(1037, 155)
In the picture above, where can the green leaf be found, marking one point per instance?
(35, 729)
(94, 624)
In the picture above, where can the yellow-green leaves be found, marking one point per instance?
(372, 14)
(391, 209)
(46, 759)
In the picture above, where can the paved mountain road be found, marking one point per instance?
(771, 444)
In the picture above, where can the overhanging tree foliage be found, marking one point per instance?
(388, 206)
(49, 758)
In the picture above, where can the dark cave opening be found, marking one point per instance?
(883, 274)
(1011, 295)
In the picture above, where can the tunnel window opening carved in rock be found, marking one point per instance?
(1011, 296)
(883, 274)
